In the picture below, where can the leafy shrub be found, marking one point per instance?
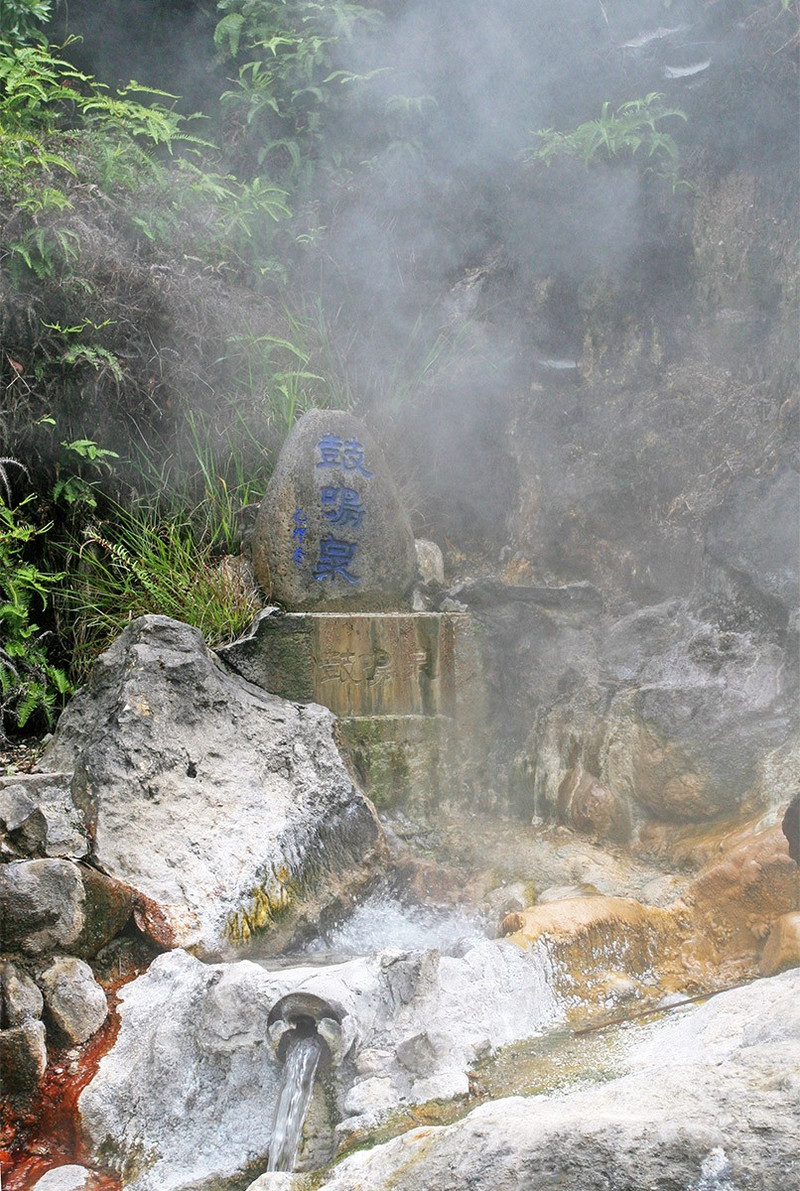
(31, 687)
(21, 20)
(632, 130)
(289, 84)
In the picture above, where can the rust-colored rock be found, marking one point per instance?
(591, 808)
(735, 901)
(782, 949)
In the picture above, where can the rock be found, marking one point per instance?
(417, 1054)
(790, 826)
(56, 905)
(277, 1181)
(186, 1095)
(23, 1058)
(332, 531)
(734, 902)
(711, 1094)
(39, 818)
(591, 808)
(430, 561)
(74, 1000)
(782, 949)
(673, 715)
(21, 1000)
(753, 534)
(594, 940)
(66, 1178)
(226, 809)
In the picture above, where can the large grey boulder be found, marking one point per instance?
(332, 531)
(709, 1101)
(227, 810)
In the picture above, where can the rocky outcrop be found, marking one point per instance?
(187, 1093)
(228, 811)
(680, 712)
(709, 1100)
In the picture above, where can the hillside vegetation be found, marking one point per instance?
(416, 212)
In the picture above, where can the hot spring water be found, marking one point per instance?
(303, 1053)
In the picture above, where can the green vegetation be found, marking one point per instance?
(177, 288)
(289, 84)
(633, 130)
(152, 566)
(30, 685)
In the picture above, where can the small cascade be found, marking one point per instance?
(303, 1052)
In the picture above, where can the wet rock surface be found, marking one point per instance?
(711, 1094)
(227, 810)
(188, 1090)
(75, 1002)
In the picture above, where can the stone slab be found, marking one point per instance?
(354, 663)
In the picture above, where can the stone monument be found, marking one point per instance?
(333, 547)
(331, 531)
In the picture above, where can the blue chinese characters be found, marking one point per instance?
(341, 505)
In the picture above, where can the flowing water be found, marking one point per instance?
(297, 1084)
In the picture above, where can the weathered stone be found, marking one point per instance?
(782, 949)
(430, 561)
(186, 1095)
(710, 1100)
(277, 1181)
(227, 810)
(591, 808)
(677, 717)
(56, 905)
(408, 761)
(331, 529)
(614, 934)
(753, 534)
(39, 818)
(355, 663)
(20, 1000)
(74, 1000)
(23, 1058)
(417, 1054)
(749, 883)
(66, 1178)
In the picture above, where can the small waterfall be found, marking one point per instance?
(303, 1052)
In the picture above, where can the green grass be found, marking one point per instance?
(152, 565)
